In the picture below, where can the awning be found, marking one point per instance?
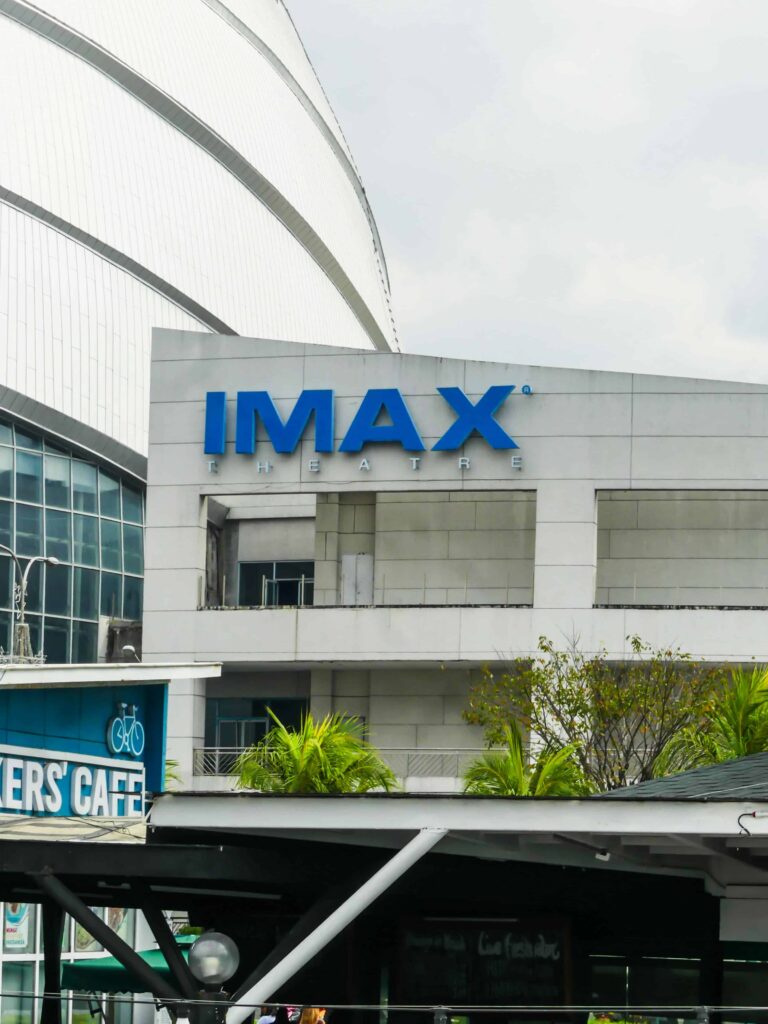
(106, 974)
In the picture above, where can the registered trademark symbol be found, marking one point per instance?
(527, 389)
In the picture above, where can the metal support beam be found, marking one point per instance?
(53, 933)
(129, 958)
(169, 947)
(328, 929)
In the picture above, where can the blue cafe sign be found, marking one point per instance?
(399, 428)
(91, 751)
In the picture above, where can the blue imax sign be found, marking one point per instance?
(366, 428)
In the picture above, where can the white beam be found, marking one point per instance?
(334, 923)
(23, 677)
(244, 812)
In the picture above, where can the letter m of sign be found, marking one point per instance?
(257, 405)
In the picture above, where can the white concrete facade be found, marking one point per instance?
(166, 164)
(632, 505)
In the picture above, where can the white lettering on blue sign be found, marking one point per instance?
(471, 418)
(50, 781)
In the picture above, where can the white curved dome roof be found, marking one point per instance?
(169, 164)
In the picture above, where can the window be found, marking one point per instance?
(57, 590)
(59, 506)
(29, 477)
(275, 584)
(86, 539)
(109, 496)
(133, 505)
(240, 732)
(5, 632)
(6, 522)
(84, 941)
(29, 530)
(111, 598)
(110, 545)
(133, 549)
(234, 722)
(132, 598)
(85, 1010)
(85, 638)
(19, 933)
(57, 534)
(6, 472)
(7, 570)
(84, 486)
(56, 641)
(85, 594)
(25, 440)
(18, 988)
(57, 480)
(119, 1009)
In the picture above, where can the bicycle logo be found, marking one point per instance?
(125, 733)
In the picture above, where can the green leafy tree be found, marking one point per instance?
(329, 755)
(616, 715)
(735, 724)
(510, 773)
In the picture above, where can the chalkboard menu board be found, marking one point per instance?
(472, 963)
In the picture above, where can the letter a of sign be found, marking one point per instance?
(477, 417)
(284, 436)
(364, 429)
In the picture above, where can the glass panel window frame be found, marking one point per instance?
(86, 548)
(58, 534)
(111, 545)
(87, 516)
(85, 489)
(29, 477)
(58, 481)
(287, 583)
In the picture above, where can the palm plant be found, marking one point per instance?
(736, 724)
(555, 772)
(327, 755)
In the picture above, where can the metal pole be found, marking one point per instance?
(334, 923)
(112, 942)
(53, 932)
(169, 947)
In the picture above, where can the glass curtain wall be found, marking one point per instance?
(55, 504)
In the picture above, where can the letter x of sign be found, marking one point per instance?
(365, 427)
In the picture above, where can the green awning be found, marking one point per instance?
(106, 974)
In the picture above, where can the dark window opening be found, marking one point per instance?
(275, 584)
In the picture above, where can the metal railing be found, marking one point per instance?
(215, 760)
(405, 762)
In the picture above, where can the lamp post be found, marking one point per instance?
(22, 646)
(213, 959)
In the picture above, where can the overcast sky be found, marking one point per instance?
(564, 182)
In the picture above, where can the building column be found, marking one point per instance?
(53, 933)
(321, 692)
(327, 549)
(186, 726)
(345, 541)
(565, 559)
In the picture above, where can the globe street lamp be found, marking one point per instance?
(213, 959)
(22, 645)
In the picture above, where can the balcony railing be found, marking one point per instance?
(405, 762)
